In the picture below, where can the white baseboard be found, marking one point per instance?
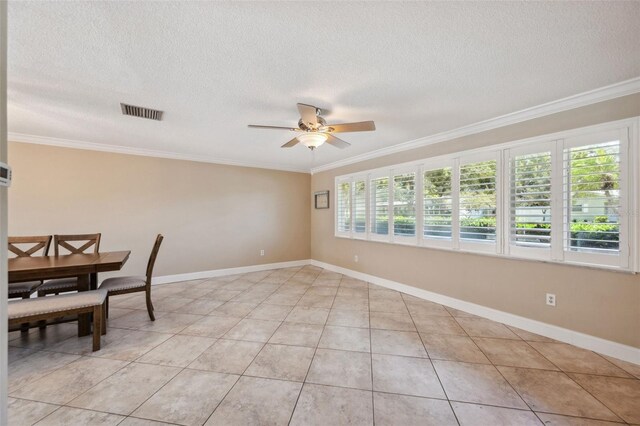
(605, 347)
(166, 279)
(597, 344)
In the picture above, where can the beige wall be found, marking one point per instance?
(216, 216)
(596, 302)
(212, 216)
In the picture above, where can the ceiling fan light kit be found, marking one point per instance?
(315, 131)
(312, 140)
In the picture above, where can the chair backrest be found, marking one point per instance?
(88, 240)
(152, 258)
(37, 242)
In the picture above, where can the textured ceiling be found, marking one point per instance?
(415, 68)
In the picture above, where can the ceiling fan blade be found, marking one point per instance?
(362, 126)
(338, 143)
(291, 143)
(308, 114)
(258, 126)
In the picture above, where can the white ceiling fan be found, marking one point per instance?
(314, 130)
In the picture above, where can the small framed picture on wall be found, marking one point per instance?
(322, 199)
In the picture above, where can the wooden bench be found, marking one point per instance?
(43, 308)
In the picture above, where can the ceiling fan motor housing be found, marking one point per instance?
(310, 126)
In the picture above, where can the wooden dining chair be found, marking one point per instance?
(27, 247)
(72, 244)
(133, 284)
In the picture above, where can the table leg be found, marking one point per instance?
(93, 284)
(84, 320)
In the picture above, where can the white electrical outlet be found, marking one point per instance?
(551, 299)
(355, 258)
(261, 252)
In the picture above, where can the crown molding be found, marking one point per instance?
(118, 149)
(617, 90)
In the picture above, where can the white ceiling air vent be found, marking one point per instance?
(136, 111)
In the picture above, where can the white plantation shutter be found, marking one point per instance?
(404, 205)
(568, 197)
(360, 206)
(594, 214)
(530, 200)
(379, 218)
(478, 202)
(437, 204)
(343, 207)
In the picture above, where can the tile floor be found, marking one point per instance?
(305, 346)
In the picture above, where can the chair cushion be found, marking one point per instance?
(60, 284)
(123, 283)
(52, 304)
(28, 286)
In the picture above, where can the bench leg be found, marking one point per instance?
(97, 327)
(104, 318)
(24, 327)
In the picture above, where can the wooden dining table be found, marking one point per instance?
(85, 267)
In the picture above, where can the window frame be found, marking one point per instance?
(629, 136)
(360, 235)
(338, 231)
(400, 239)
(556, 204)
(440, 242)
(372, 213)
(494, 247)
(622, 259)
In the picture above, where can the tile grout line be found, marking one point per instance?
(167, 382)
(222, 338)
(566, 375)
(503, 377)
(264, 344)
(349, 388)
(46, 374)
(497, 369)
(373, 399)
(555, 371)
(65, 406)
(315, 351)
(115, 372)
(561, 371)
(455, 415)
(307, 291)
(131, 362)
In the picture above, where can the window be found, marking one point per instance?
(343, 209)
(437, 204)
(380, 206)
(404, 205)
(360, 206)
(478, 201)
(592, 194)
(562, 198)
(530, 200)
